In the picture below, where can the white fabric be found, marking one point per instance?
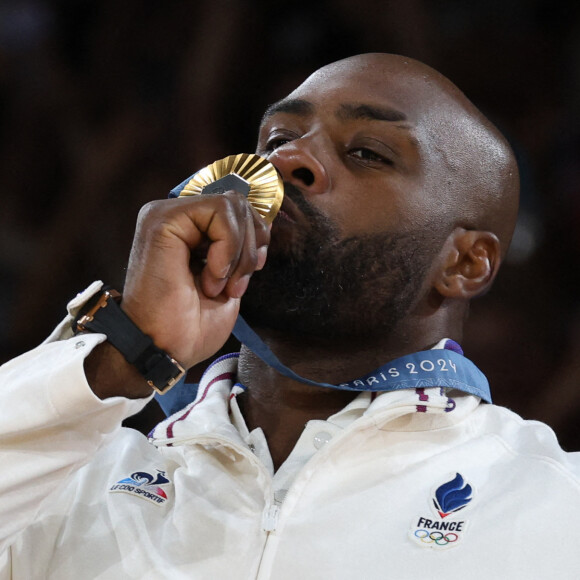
(350, 512)
(316, 434)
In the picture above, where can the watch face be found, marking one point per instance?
(246, 173)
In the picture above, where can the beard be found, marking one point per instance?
(329, 288)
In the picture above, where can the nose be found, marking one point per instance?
(300, 166)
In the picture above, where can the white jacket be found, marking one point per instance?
(81, 497)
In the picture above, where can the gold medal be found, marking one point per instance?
(246, 173)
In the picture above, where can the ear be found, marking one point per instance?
(470, 260)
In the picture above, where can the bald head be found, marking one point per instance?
(469, 167)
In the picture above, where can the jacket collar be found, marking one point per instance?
(207, 417)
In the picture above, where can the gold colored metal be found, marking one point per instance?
(101, 303)
(171, 383)
(266, 188)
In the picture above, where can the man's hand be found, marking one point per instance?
(191, 262)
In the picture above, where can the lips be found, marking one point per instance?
(286, 213)
(290, 213)
(289, 229)
(283, 215)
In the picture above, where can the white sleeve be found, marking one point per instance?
(51, 423)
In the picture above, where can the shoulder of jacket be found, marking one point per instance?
(527, 438)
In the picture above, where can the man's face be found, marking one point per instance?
(355, 236)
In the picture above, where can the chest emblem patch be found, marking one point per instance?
(143, 484)
(445, 527)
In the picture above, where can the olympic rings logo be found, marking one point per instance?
(436, 537)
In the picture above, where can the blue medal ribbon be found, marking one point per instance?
(428, 368)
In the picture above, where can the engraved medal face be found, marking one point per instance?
(246, 173)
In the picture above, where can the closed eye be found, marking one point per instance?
(362, 154)
(277, 138)
(273, 144)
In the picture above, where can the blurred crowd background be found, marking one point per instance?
(105, 105)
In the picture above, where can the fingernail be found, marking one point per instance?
(262, 255)
(240, 286)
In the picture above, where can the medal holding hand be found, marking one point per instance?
(193, 256)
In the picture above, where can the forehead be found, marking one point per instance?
(398, 87)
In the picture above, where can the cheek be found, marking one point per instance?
(377, 213)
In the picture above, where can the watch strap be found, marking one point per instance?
(103, 314)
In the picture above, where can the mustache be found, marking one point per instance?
(318, 220)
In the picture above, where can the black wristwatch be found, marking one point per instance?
(103, 314)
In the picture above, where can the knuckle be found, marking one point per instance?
(148, 217)
(264, 231)
(224, 204)
(148, 210)
(250, 259)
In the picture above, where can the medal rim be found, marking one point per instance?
(266, 186)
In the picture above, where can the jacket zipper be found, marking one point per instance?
(270, 517)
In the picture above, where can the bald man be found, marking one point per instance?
(372, 450)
